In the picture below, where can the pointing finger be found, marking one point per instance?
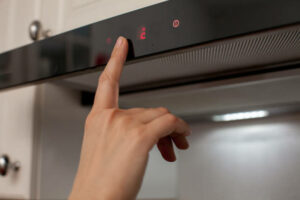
(107, 93)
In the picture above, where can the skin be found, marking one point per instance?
(117, 142)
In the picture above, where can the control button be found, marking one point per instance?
(176, 23)
(108, 40)
(142, 33)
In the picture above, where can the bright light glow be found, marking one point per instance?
(241, 116)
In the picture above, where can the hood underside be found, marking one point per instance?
(272, 50)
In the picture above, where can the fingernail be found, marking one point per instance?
(119, 42)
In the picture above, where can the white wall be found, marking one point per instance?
(256, 159)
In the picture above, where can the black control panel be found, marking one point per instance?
(160, 28)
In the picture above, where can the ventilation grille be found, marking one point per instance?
(269, 48)
(275, 46)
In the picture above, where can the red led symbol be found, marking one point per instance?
(142, 33)
(108, 40)
(176, 23)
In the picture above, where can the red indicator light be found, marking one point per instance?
(176, 23)
(143, 36)
(142, 33)
(108, 40)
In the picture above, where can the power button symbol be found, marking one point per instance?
(176, 23)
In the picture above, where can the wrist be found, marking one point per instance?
(91, 194)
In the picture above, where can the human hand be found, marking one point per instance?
(117, 142)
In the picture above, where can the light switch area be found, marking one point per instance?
(250, 159)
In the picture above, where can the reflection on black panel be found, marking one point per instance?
(163, 27)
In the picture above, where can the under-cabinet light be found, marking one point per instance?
(241, 116)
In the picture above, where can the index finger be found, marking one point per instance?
(107, 94)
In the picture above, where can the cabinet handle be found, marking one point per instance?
(36, 31)
(6, 165)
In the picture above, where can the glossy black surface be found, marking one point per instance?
(150, 31)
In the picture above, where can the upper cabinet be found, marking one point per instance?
(65, 15)
(15, 18)
(17, 106)
(4, 12)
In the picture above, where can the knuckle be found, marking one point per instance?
(171, 118)
(111, 113)
(105, 77)
(125, 121)
(163, 110)
(90, 119)
(136, 110)
(142, 139)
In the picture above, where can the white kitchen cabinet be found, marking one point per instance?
(15, 18)
(4, 12)
(18, 107)
(70, 14)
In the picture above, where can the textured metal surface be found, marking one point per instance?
(265, 48)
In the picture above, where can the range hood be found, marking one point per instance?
(171, 44)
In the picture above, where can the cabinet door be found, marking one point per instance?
(17, 106)
(15, 18)
(4, 12)
(17, 111)
(70, 14)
